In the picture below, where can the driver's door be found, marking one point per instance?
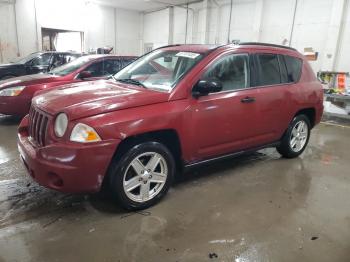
(226, 121)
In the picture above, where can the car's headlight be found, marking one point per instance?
(61, 124)
(84, 134)
(12, 91)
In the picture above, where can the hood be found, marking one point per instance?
(9, 65)
(12, 65)
(96, 97)
(27, 80)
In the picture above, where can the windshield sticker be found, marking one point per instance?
(187, 54)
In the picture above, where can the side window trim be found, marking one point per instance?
(282, 63)
(300, 71)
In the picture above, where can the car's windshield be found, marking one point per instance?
(26, 59)
(70, 67)
(159, 70)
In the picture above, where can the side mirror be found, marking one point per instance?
(206, 86)
(85, 74)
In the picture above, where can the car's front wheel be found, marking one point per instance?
(143, 175)
(296, 138)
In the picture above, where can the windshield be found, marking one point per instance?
(70, 67)
(159, 70)
(26, 59)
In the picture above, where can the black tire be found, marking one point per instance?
(120, 168)
(285, 148)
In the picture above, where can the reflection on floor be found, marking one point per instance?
(253, 208)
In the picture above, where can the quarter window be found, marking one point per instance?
(231, 71)
(293, 67)
(269, 72)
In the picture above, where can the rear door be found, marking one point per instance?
(273, 95)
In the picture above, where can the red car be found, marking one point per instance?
(135, 132)
(16, 93)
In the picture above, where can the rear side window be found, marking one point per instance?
(269, 71)
(293, 65)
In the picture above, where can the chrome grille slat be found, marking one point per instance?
(38, 123)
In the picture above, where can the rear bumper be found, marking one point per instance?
(66, 167)
(15, 105)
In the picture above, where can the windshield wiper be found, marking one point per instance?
(131, 81)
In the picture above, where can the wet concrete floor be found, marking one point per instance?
(254, 208)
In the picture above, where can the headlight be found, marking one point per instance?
(61, 124)
(84, 134)
(12, 91)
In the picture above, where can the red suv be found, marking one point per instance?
(178, 106)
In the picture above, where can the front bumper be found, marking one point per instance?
(66, 167)
(15, 105)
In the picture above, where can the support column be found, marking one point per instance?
(171, 25)
(334, 35)
(258, 16)
(206, 6)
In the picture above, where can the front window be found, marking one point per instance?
(42, 60)
(232, 71)
(159, 70)
(26, 59)
(70, 67)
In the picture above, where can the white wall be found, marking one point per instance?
(98, 23)
(8, 43)
(128, 32)
(156, 28)
(180, 16)
(317, 25)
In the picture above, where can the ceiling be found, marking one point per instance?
(143, 5)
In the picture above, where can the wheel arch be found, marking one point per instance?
(310, 113)
(168, 137)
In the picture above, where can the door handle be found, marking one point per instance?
(248, 99)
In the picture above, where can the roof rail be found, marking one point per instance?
(267, 44)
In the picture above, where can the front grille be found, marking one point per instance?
(38, 123)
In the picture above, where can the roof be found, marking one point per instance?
(97, 56)
(198, 48)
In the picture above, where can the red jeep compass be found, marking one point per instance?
(135, 131)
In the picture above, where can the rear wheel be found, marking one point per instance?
(296, 138)
(142, 176)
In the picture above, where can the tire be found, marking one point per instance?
(7, 77)
(294, 140)
(147, 186)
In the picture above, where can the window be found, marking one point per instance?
(269, 73)
(101, 68)
(293, 67)
(160, 69)
(71, 67)
(58, 60)
(70, 57)
(42, 60)
(231, 71)
(110, 67)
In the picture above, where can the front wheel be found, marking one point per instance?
(142, 176)
(296, 138)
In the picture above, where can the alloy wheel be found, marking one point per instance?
(145, 177)
(299, 136)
